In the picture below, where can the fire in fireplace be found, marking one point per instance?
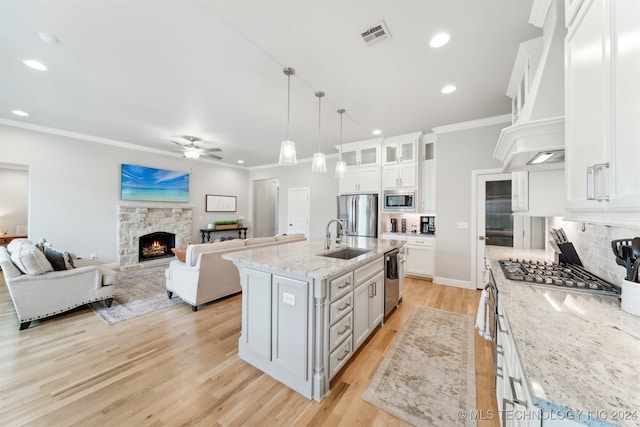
(156, 245)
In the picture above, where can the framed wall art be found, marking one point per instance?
(217, 203)
(151, 184)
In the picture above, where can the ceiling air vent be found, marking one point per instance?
(375, 33)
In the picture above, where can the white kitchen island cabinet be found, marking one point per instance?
(304, 315)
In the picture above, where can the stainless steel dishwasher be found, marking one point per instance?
(391, 281)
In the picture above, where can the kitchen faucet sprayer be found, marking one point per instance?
(339, 231)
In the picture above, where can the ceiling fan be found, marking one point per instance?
(191, 150)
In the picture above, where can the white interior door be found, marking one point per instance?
(478, 220)
(298, 208)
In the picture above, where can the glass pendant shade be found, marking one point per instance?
(288, 153)
(288, 147)
(319, 164)
(341, 166)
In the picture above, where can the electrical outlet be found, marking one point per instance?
(94, 256)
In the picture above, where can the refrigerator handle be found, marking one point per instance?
(354, 223)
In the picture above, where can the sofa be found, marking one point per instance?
(38, 290)
(203, 276)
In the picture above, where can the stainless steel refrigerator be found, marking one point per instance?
(359, 214)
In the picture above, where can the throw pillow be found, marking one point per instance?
(31, 261)
(59, 260)
(180, 253)
(17, 244)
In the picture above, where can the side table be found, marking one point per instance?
(206, 232)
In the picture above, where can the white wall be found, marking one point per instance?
(14, 198)
(323, 192)
(74, 188)
(457, 154)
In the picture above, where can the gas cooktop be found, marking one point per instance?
(565, 276)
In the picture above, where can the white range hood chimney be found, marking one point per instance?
(535, 140)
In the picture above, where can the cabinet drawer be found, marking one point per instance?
(421, 241)
(340, 286)
(368, 270)
(340, 308)
(341, 330)
(340, 356)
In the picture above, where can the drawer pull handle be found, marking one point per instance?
(346, 353)
(344, 307)
(346, 329)
(345, 285)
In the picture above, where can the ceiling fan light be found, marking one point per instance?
(319, 164)
(191, 153)
(341, 169)
(288, 153)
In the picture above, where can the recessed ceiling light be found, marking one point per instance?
(20, 113)
(48, 38)
(448, 89)
(439, 40)
(376, 131)
(240, 161)
(36, 65)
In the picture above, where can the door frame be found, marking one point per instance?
(475, 176)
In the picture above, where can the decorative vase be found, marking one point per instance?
(210, 226)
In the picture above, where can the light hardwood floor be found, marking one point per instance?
(177, 367)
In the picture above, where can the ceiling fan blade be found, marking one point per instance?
(211, 150)
(177, 143)
(211, 156)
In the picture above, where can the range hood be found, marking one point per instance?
(535, 140)
(533, 145)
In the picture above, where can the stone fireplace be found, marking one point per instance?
(136, 222)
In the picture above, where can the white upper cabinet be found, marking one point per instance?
(365, 153)
(400, 149)
(428, 174)
(363, 167)
(602, 104)
(400, 163)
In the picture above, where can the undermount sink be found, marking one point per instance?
(346, 253)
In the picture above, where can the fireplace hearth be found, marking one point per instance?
(156, 245)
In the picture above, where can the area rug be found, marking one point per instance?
(428, 376)
(138, 292)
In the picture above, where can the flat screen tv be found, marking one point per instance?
(151, 184)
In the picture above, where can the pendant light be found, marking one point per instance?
(319, 164)
(341, 166)
(288, 147)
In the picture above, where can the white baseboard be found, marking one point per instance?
(454, 282)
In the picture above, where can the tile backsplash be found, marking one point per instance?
(593, 244)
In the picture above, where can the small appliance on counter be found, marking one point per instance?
(427, 225)
(394, 225)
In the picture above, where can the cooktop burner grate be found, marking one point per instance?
(567, 276)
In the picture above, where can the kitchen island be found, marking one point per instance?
(304, 314)
(578, 351)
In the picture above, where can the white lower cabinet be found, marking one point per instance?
(368, 306)
(420, 256)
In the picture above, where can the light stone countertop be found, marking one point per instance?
(301, 258)
(579, 351)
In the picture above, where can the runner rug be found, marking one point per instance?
(138, 292)
(428, 376)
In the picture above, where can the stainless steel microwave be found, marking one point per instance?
(399, 201)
